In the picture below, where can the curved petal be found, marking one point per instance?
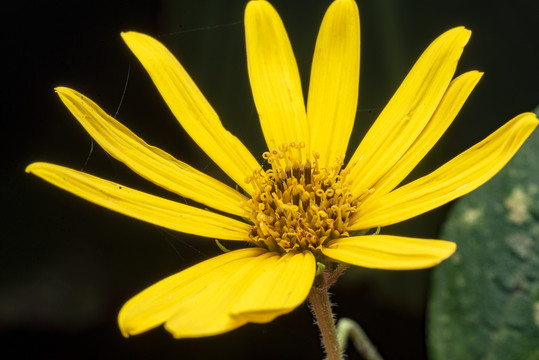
(274, 77)
(204, 300)
(333, 89)
(408, 111)
(142, 206)
(161, 301)
(389, 252)
(150, 162)
(278, 291)
(192, 109)
(457, 177)
(455, 96)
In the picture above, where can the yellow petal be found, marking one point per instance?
(447, 110)
(278, 291)
(333, 89)
(408, 111)
(161, 301)
(274, 77)
(457, 177)
(199, 301)
(389, 252)
(191, 108)
(148, 161)
(155, 210)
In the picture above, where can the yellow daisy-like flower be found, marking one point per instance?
(303, 204)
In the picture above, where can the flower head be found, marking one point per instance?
(304, 204)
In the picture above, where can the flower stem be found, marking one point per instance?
(321, 308)
(348, 328)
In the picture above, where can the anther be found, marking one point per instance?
(295, 204)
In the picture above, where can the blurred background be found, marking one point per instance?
(68, 265)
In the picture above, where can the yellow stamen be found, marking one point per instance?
(296, 205)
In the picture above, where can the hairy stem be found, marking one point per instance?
(321, 308)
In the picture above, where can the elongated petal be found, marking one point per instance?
(142, 206)
(199, 301)
(389, 252)
(451, 103)
(161, 301)
(457, 177)
(149, 161)
(278, 291)
(274, 77)
(408, 111)
(333, 89)
(192, 109)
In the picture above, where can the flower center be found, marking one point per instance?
(296, 205)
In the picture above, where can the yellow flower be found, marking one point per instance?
(302, 204)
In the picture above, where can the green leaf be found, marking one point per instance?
(484, 300)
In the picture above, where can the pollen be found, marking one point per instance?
(296, 205)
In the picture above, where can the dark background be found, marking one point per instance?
(68, 266)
